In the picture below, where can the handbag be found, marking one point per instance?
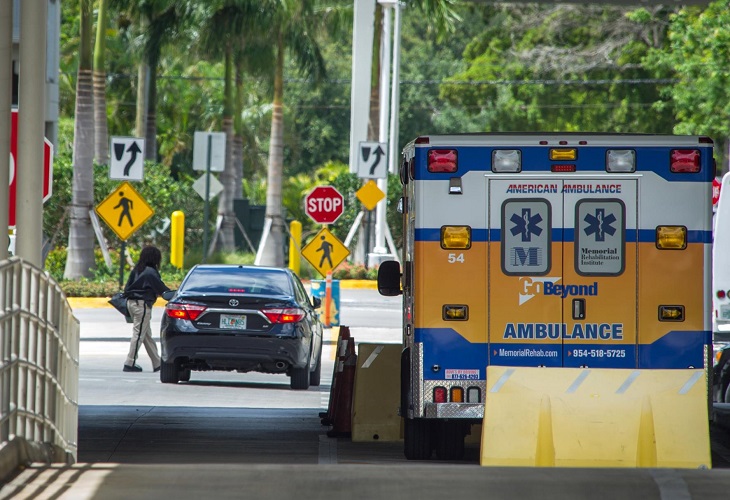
(119, 302)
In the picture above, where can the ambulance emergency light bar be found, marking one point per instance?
(446, 161)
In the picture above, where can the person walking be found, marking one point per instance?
(143, 287)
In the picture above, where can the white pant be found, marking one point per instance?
(142, 333)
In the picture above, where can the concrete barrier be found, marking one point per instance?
(572, 417)
(377, 394)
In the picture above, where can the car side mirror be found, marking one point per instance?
(169, 294)
(389, 278)
(317, 302)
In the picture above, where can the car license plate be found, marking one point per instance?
(230, 321)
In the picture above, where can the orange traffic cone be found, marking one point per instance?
(327, 416)
(342, 418)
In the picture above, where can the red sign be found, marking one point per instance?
(47, 167)
(715, 190)
(324, 204)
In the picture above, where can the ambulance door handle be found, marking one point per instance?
(579, 308)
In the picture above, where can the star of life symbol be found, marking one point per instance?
(600, 224)
(527, 224)
(532, 286)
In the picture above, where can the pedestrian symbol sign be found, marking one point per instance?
(124, 210)
(325, 252)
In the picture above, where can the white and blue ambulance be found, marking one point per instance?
(545, 250)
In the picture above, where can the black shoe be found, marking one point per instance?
(135, 368)
(157, 369)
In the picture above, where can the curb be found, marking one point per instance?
(98, 302)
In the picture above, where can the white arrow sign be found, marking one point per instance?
(372, 160)
(127, 161)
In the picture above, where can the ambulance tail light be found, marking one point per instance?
(671, 237)
(473, 395)
(457, 394)
(721, 294)
(455, 237)
(439, 395)
(685, 161)
(506, 160)
(621, 160)
(671, 313)
(442, 160)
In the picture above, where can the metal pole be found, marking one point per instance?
(6, 88)
(31, 128)
(380, 219)
(393, 151)
(206, 213)
(121, 264)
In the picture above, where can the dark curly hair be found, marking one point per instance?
(150, 256)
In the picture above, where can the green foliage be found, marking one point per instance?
(698, 55)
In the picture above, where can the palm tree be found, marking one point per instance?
(101, 136)
(227, 28)
(80, 256)
(293, 26)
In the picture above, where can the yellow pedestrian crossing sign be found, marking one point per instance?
(325, 252)
(124, 210)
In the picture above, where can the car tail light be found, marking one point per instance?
(442, 160)
(287, 315)
(686, 161)
(190, 312)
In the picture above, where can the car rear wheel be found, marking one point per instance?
(300, 378)
(169, 373)
(316, 376)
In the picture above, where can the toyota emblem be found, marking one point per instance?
(233, 302)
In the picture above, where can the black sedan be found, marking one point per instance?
(243, 318)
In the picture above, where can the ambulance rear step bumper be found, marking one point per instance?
(454, 410)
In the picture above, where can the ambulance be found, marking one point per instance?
(545, 250)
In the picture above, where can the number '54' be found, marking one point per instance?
(456, 257)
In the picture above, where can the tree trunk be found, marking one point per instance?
(150, 136)
(141, 121)
(225, 240)
(237, 154)
(80, 255)
(272, 250)
(101, 134)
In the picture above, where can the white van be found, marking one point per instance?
(721, 294)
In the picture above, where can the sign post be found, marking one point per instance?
(209, 151)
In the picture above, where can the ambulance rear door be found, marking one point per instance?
(525, 254)
(599, 285)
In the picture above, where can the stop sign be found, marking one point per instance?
(47, 168)
(324, 204)
(716, 184)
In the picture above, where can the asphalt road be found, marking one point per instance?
(230, 435)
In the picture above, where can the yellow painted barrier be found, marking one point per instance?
(377, 394)
(573, 417)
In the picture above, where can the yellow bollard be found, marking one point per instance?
(177, 239)
(295, 246)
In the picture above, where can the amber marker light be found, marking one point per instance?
(455, 237)
(671, 313)
(671, 237)
(563, 154)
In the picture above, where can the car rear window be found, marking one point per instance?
(237, 280)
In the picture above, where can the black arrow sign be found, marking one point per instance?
(134, 149)
(377, 153)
